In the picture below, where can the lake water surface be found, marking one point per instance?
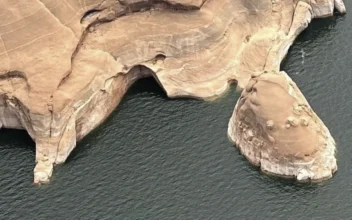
(158, 158)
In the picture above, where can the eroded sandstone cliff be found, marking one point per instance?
(65, 65)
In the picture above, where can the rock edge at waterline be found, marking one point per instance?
(65, 65)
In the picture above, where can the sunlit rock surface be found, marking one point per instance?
(276, 129)
(65, 65)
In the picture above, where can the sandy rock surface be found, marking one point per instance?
(65, 65)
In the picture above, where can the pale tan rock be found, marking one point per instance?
(65, 65)
(305, 151)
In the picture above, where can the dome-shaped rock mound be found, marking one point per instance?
(275, 128)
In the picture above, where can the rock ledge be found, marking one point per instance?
(65, 65)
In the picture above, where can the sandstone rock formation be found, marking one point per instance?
(65, 65)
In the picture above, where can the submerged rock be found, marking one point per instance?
(65, 65)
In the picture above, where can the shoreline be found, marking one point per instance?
(198, 56)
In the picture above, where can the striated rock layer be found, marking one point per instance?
(65, 65)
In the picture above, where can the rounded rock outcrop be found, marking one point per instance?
(284, 143)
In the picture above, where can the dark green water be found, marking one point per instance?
(157, 158)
